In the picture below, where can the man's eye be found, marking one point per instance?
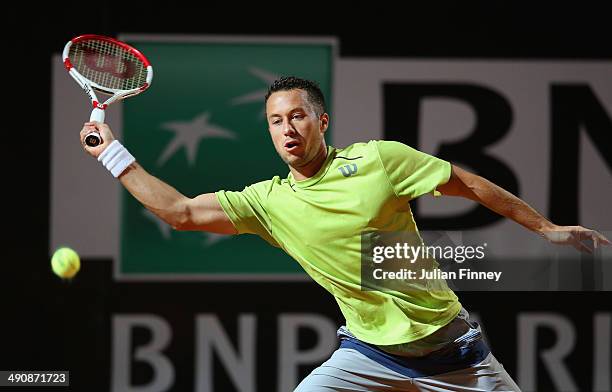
(276, 122)
(298, 116)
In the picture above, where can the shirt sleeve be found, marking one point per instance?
(246, 209)
(412, 173)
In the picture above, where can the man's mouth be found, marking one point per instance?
(291, 145)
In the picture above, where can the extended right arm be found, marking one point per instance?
(202, 213)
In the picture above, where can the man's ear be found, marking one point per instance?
(323, 122)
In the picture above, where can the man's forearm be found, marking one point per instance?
(495, 198)
(508, 205)
(157, 196)
(202, 213)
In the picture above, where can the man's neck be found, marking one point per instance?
(312, 167)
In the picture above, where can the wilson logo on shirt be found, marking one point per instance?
(348, 170)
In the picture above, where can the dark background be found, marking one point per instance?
(48, 324)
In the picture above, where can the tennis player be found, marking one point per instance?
(417, 340)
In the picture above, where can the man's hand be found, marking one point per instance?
(575, 236)
(104, 131)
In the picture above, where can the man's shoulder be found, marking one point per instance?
(266, 186)
(357, 148)
(373, 144)
(375, 148)
(390, 149)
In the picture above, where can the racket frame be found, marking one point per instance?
(90, 87)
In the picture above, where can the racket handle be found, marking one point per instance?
(93, 139)
(98, 115)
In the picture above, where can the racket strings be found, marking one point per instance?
(108, 65)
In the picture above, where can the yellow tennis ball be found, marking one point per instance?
(65, 263)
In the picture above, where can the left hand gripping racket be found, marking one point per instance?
(106, 65)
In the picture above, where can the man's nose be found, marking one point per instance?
(288, 130)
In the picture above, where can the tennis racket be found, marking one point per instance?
(106, 65)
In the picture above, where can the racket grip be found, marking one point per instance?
(93, 139)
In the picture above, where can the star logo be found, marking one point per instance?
(188, 134)
(258, 95)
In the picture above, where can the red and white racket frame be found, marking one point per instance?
(99, 109)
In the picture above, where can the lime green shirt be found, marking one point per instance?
(319, 222)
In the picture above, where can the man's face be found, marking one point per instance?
(296, 130)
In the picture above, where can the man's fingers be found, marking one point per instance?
(579, 237)
(597, 238)
(579, 245)
(602, 239)
(582, 247)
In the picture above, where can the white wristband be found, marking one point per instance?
(116, 158)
